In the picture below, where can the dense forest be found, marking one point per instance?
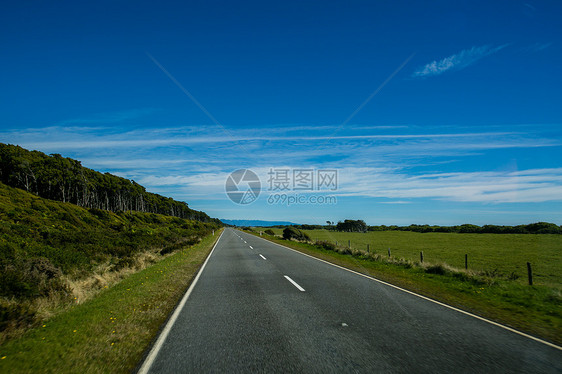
(64, 179)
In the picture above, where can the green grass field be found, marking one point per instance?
(501, 253)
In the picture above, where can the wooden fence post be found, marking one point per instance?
(466, 261)
(389, 252)
(530, 273)
(421, 257)
(349, 244)
(367, 248)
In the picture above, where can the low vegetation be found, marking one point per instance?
(494, 285)
(54, 255)
(108, 333)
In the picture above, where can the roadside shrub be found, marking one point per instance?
(123, 262)
(344, 251)
(179, 245)
(292, 233)
(14, 283)
(30, 278)
(42, 267)
(15, 314)
(439, 269)
(329, 246)
(270, 232)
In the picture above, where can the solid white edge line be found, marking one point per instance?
(263, 257)
(294, 283)
(429, 299)
(147, 364)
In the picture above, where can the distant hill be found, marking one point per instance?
(64, 179)
(255, 222)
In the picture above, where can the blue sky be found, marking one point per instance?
(441, 113)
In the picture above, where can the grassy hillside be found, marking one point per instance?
(55, 254)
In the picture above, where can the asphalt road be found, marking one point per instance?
(259, 307)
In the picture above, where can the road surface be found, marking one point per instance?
(260, 307)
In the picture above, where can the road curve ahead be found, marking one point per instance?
(260, 307)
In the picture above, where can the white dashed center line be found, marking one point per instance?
(263, 257)
(294, 283)
(251, 247)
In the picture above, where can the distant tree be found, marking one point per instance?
(543, 228)
(468, 228)
(309, 227)
(352, 226)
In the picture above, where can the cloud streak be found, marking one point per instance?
(75, 138)
(490, 187)
(390, 165)
(524, 186)
(457, 61)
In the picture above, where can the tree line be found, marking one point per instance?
(64, 179)
(532, 228)
(360, 226)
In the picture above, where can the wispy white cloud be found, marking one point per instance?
(457, 61)
(525, 186)
(74, 138)
(178, 141)
(154, 151)
(538, 47)
(194, 162)
(396, 186)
